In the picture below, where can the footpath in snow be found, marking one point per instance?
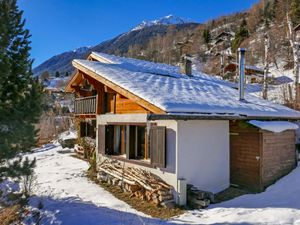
(69, 198)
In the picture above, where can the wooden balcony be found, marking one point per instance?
(86, 105)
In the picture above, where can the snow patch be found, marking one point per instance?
(68, 197)
(274, 126)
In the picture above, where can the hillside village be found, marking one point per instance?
(212, 45)
(171, 122)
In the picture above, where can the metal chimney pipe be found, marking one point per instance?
(241, 73)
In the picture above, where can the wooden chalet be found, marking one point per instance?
(253, 74)
(186, 129)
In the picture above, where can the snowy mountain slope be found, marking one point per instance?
(167, 20)
(61, 62)
(119, 44)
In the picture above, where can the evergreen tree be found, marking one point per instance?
(57, 74)
(20, 94)
(295, 12)
(206, 36)
(268, 13)
(241, 34)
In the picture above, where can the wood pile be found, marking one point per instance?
(79, 150)
(138, 182)
(198, 199)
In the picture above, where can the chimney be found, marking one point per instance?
(241, 52)
(186, 65)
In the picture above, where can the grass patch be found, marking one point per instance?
(10, 214)
(146, 207)
(230, 193)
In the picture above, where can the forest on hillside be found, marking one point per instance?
(246, 29)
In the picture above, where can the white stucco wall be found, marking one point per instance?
(168, 174)
(203, 154)
(197, 151)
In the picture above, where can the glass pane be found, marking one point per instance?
(141, 142)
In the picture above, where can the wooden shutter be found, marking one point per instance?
(101, 139)
(157, 146)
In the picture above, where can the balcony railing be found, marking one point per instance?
(86, 105)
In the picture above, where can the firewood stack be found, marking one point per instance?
(79, 150)
(140, 183)
(198, 199)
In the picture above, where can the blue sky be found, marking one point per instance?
(61, 25)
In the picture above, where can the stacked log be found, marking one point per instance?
(79, 150)
(198, 199)
(138, 182)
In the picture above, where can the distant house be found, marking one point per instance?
(190, 128)
(253, 74)
(282, 80)
(297, 32)
(223, 36)
(222, 42)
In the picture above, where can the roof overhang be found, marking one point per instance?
(97, 57)
(73, 81)
(212, 116)
(142, 102)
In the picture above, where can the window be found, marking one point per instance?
(119, 140)
(131, 142)
(88, 129)
(109, 102)
(138, 149)
(127, 140)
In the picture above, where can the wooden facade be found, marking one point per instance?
(278, 155)
(96, 96)
(257, 157)
(101, 99)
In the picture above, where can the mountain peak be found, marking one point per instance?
(166, 20)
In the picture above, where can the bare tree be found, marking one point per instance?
(266, 68)
(295, 49)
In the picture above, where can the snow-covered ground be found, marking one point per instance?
(68, 197)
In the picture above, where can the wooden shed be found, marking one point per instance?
(259, 157)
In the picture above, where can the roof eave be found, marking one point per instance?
(215, 117)
(144, 103)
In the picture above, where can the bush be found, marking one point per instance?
(68, 143)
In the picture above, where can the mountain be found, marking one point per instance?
(167, 20)
(61, 62)
(162, 41)
(120, 45)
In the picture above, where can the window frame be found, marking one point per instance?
(155, 144)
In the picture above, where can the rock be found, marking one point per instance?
(68, 143)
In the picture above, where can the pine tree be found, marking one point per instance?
(206, 36)
(295, 12)
(57, 74)
(268, 13)
(20, 93)
(241, 34)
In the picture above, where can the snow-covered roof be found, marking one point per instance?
(249, 67)
(282, 80)
(163, 86)
(274, 126)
